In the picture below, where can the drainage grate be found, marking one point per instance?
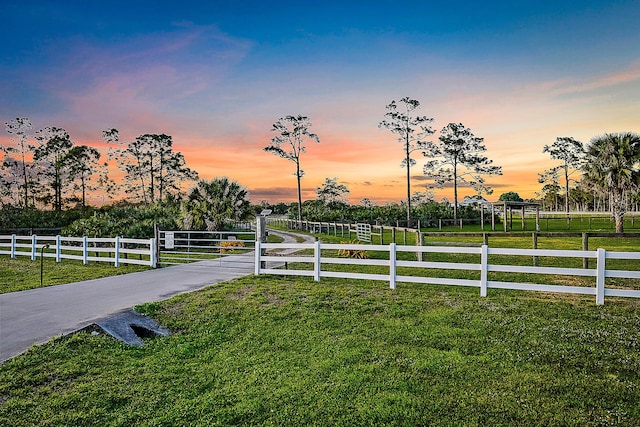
(130, 327)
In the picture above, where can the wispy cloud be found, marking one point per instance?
(144, 81)
(287, 194)
(626, 75)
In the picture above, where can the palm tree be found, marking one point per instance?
(613, 166)
(212, 204)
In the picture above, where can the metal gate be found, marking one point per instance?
(218, 248)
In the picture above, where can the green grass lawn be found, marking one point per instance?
(288, 351)
(21, 273)
(594, 222)
(277, 351)
(515, 240)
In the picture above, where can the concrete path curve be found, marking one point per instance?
(37, 315)
(290, 237)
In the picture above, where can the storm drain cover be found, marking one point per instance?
(130, 327)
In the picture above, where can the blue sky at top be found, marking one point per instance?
(217, 74)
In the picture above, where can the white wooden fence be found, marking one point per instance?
(600, 273)
(115, 250)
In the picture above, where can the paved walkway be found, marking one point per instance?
(35, 316)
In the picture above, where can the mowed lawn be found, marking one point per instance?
(22, 273)
(288, 351)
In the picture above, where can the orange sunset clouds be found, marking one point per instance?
(216, 76)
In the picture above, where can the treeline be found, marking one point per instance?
(46, 169)
(137, 220)
(427, 212)
(583, 198)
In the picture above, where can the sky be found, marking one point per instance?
(216, 75)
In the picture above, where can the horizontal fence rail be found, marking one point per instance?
(115, 250)
(548, 221)
(270, 264)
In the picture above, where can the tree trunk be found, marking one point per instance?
(152, 189)
(26, 182)
(84, 195)
(618, 210)
(455, 191)
(566, 190)
(57, 193)
(299, 192)
(619, 216)
(408, 160)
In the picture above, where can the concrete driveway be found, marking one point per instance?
(35, 316)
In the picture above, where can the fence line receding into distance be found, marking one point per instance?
(600, 273)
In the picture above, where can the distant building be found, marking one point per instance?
(475, 200)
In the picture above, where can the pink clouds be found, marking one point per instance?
(145, 84)
(204, 87)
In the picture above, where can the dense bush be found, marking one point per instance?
(390, 214)
(11, 217)
(126, 220)
(137, 220)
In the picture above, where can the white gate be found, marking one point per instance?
(235, 248)
(363, 231)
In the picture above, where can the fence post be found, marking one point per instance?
(13, 246)
(117, 251)
(85, 250)
(585, 247)
(535, 246)
(600, 276)
(58, 248)
(392, 265)
(34, 241)
(152, 253)
(258, 251)
(156, 236)
(484, 263)
(316, 261)
(419, 243)
(493, 218)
